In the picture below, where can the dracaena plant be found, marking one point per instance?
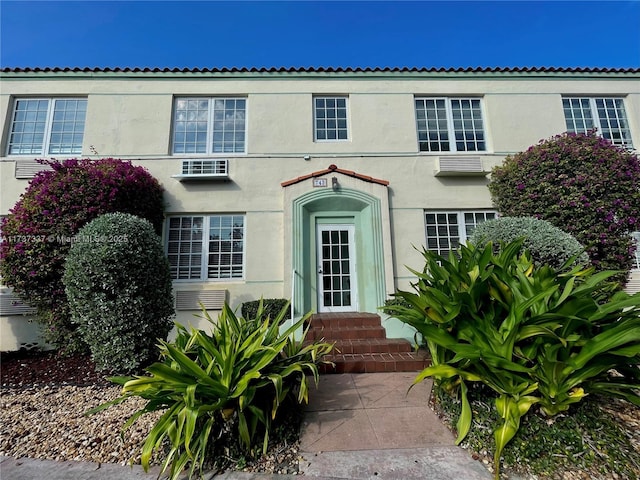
(234, 378)
(533, 334)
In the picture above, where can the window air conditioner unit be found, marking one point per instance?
(463, 165)
(206, 169)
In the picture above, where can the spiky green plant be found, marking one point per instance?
(237, 376)
(531, 333)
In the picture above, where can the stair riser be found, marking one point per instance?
(376, 362)
(360, 348)
(329, 324)
(347, 333)
(331, 321)
(373, 366)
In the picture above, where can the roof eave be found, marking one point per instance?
(315, 72)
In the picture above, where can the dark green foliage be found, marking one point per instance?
(39, 231)
(546, 244)
(118, 284)
(585, 439)
(395, 305)
(396, 302)
(271, 308)
(222, 389)
(582, 184)
(533, 334)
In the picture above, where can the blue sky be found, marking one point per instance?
(328, 33)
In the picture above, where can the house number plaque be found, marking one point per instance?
(319, 182)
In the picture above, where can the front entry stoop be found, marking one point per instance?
(361, 345)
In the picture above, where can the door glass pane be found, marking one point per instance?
(337, 299)
(346, 298)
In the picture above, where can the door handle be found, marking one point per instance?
(320, 270)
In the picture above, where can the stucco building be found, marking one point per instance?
(307, 183)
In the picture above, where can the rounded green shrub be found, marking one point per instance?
(118, 283)
(40, 228)
(271, 308)
(547, 244)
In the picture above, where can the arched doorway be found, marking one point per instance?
(338, 261)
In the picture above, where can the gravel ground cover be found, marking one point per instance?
(43, 398)
(42, 401)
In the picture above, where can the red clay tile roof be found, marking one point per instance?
(320, 70)
(335, 169)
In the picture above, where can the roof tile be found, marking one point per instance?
(334, 169)
(404, 69)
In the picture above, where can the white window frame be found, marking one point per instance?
(335, 129)
(211, 122)
(577, 124)
(204, 265)
(48, 127)
(450, 125)
(461, 224)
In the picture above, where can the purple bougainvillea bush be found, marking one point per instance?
(581, 183)
(42, 226)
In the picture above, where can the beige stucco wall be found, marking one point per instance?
(130, 117)
(133, 125)
(19, 332)
(511, 128)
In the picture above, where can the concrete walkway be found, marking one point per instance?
(366, 426)
(356, 427)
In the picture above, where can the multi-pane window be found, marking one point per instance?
(209, 125)
(206, 247)
(330, 118)
(450, 125)
(607, 115)
(47, 126)
(445, 231)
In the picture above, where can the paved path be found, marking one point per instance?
(367, 426)
(356, 427)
